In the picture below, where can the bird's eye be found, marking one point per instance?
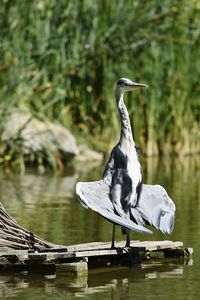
(121, 82)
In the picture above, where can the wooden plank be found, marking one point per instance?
(95, 245)
(99, 252)
(93, 248)
(96, 251)
(88, 246)
(101, 249)
(148, 245)
(157, 245)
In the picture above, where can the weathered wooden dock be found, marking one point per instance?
(79, 258)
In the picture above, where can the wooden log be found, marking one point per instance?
(79, 268)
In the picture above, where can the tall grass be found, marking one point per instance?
(61, 59)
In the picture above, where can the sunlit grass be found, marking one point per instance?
(61, 59)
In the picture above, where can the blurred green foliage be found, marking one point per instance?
(61, 59)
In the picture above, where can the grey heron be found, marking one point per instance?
(120, 196)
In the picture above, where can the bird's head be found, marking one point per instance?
(124, 85)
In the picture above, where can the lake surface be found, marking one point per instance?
(47, 205)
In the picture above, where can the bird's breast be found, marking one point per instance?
(133, 165)
(134, 170)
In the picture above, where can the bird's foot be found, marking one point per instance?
(112, 246)
(128, 241)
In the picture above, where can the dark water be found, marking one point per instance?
(47, 206)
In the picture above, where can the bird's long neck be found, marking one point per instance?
(126, 130)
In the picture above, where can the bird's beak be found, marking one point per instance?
(138, 85)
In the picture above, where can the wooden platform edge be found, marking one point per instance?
(77, 259)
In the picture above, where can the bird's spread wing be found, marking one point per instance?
(157, 208)
(95, 195)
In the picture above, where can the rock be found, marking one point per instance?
(38, 135)
(86, 154)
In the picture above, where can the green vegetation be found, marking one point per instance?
(61, 59)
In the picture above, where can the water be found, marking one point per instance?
(47, 205)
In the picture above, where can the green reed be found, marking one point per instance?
(62, 58)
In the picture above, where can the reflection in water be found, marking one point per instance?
(97, 281)
(31, 188)
(47, 205)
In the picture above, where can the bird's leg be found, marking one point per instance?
(127, 239)
(113, 237)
